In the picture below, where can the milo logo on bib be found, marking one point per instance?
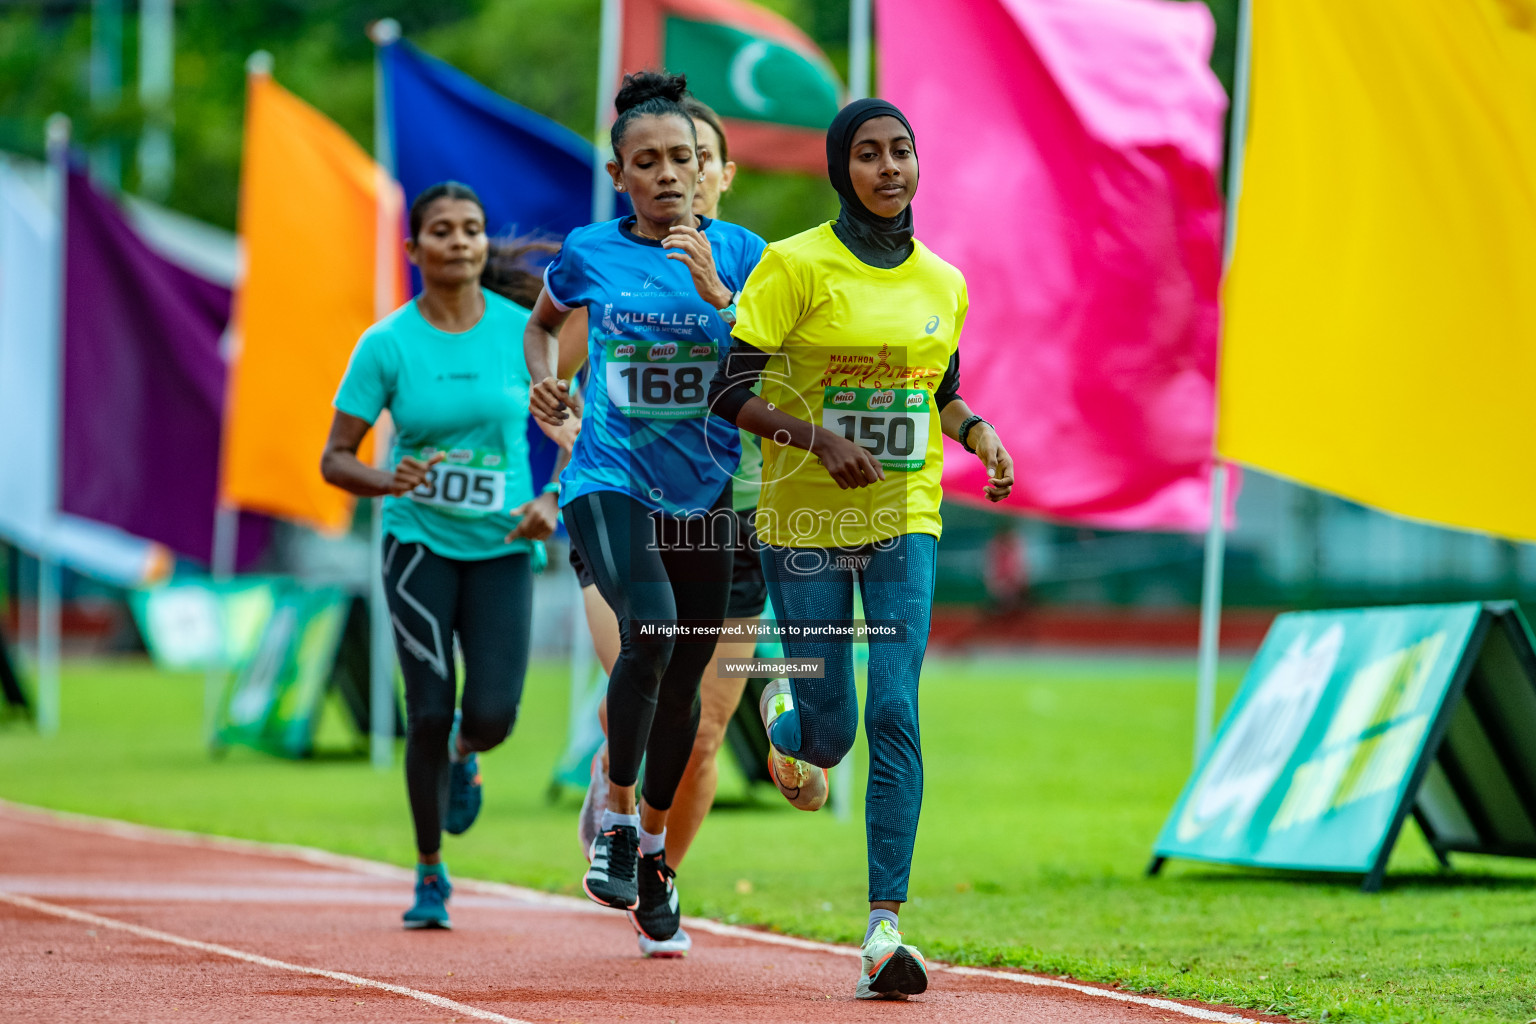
(663, 380)
(891, 422)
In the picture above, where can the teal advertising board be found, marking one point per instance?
(1348, 721)
(274, 703)
(199, 624)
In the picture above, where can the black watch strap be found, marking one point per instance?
(963, 434)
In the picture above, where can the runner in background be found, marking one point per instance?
(861, 323)
(647, 495)
(462, 521)
(718, 697)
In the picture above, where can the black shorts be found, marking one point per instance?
(749, 591)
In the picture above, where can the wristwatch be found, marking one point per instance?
(965, 432)
(728, 313)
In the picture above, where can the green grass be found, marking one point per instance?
(1046, 784)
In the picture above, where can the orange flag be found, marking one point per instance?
(314, 208)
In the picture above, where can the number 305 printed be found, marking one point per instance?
(463, 489)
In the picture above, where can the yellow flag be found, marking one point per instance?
(310, 224)
(1380, 321)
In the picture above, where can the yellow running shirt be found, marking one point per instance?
(858, 350)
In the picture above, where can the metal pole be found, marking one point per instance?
(1210, 610)
(157, 60)
(860, 82)
(607, 79)
(106, 82)
(381, 651)
(226, 544)
(48, 606)
(1216, 531)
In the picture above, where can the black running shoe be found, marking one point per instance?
(656, 913)
(610, 880)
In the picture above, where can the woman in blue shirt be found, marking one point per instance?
(462, 521)
(647, 496)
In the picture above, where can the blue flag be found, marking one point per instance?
(534, 176)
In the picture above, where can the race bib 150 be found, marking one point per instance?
(466, 483)
(891, 422)
(660, 379)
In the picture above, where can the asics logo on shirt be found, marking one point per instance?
(933, 325)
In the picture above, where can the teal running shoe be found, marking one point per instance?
(432, 892)
(463, 786)
(463, 795)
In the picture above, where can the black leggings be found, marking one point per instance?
(487, 605)
(653, 691)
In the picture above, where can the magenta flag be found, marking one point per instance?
(143, 385)
(1068, 152)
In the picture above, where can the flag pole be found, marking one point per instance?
(607, 77)
(49, 611)
(157, 62)
(860, 80)
(1216, 531)
(381, 650)
(226, 543)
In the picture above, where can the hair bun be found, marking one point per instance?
(649, 85)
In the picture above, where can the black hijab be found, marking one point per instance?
(883, 242)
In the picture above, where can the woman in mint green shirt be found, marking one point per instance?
(463, 521)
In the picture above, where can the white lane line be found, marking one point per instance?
(253, 958)
(342, 862)
(1197, 1012)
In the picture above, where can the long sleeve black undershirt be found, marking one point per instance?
(743, 367)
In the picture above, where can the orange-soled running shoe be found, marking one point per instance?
(803, 784)
(890, 968)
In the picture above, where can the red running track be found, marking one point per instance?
(102, 921)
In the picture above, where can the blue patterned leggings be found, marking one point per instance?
(896, 581)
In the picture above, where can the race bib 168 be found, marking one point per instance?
(660, 379)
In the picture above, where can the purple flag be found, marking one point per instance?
(143, 385)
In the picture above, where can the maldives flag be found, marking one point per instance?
(774, 90)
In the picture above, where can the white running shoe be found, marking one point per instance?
(891, 969)
(678, 945)
(590, 823)
(803, 784)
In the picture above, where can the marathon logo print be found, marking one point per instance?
(624, 350)
(882, 399)
(666, 351)
(844, 398)
(701, 351)
(916, 399)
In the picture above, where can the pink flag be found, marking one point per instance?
(1068, 152)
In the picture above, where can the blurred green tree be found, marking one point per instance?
(540, 53)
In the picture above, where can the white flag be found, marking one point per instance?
(30, 302)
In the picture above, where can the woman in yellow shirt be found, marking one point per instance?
(852, 328)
